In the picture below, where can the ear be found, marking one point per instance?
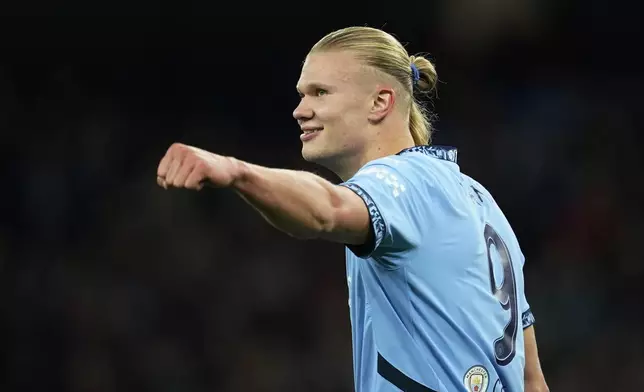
(383, 103)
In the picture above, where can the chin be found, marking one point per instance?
(315, 154)
(311, 154)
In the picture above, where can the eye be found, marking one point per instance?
(321, 92)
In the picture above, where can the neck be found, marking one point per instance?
(348, 167)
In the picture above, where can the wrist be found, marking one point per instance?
(239, 171)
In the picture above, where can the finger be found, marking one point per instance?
(182, 174)
(161, 182)
(196, 178)
(172, 171)
(164, 165)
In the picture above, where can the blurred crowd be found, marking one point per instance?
(113, 284)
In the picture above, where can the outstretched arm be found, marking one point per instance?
(299, 203)
(534, 378)
(303, 204)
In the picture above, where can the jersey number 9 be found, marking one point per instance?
(505, 345)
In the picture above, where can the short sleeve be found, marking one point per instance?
(388, 196)
(527, 318)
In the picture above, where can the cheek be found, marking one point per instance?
(346, 113)
(353, 119)
(330, 111)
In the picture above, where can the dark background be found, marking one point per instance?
(110, 283)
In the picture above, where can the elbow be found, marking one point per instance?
(321, 225)
(339, 225)
(338, 220)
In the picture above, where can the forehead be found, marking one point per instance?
(332, 68)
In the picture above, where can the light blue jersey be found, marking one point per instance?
(436, 297)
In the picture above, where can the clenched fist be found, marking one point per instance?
(192, 168)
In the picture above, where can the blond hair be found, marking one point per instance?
(385, 53)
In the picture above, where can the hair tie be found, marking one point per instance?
(415, 74)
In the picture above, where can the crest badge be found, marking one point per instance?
(476, 379)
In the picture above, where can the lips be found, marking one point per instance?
(311, 130)
(309, 134)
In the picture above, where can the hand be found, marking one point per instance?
(192, 168)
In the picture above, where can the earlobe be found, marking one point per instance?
(382, 104)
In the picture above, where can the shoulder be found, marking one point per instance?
(392, 175)
(481, 191)
(420, 168)
(396, 167)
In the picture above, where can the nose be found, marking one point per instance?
(303, 112)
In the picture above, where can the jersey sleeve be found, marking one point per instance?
(527, 318)
(389, 198)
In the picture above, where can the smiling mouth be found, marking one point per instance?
(309, 134)
(311, 130)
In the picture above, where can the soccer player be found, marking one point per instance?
(434, 270)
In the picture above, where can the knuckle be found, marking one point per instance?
(201, 167)
(177, 149)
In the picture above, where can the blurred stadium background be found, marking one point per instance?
(111, 284)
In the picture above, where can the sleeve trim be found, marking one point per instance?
(377, 223)
(527, 318)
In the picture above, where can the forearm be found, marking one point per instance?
(299, 203)
(534, 378)
(536, 386)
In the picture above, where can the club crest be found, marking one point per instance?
(476, 379)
